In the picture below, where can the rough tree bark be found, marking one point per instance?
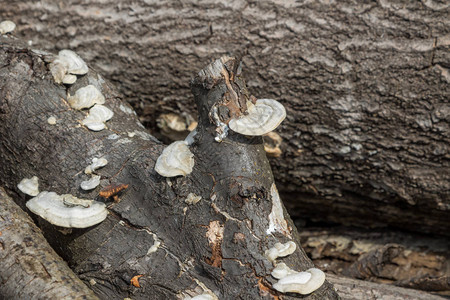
(365, 85)
(217, 244)
(30, 268)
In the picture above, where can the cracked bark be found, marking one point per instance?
(30, 268)
(365, 85)
(218, 242)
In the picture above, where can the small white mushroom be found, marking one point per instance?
(86, 97)
(51, 120)
(175, 160)
(280, 250)
(69, 79)
(91, 183)
(262, 118)
(302, 282)
(282, 271)
(192, 199)
(76, 64)
(97, 117)
(7, 27)
(29, 186)
(58, 68)
(50, 206)
(97, 163)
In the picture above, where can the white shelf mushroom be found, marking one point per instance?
(29, 186)
(75, 64)
(301, 282)
(264, 116)
(282, 271)
(176, 159)
(7, 27)
(97, 163)
(51, 207)
(86, 97)
(97, 117)
(280, 250)
(91, 183)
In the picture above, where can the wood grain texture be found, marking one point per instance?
(365, 84)
(218, 243)
(30, 268)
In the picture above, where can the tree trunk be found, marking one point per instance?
(366, 87)
(30, 268)
(216, 245)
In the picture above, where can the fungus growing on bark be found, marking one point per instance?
(280, 250)
(7, 27)
(176, 159)
(97, 163)
(66, 66)
(86, 97)
(263, 116)
(56, 210)
(282, 271)
(29, 186)
(91, 183)
(301, 282)
(75, 64)
(97, 117)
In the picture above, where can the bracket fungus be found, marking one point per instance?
(86, 97)
(176, 159)
(66, 66)
(91, 183)
(29, 186)
(301, 282)
(280, 250)
(263, 116)
(97, 163)
(7, 27)
(97, 117)
(66, 211)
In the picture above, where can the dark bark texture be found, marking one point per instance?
(365, 84)
(29, 267)
(215, 245)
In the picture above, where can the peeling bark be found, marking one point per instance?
(233, 178)
(29, 267)
(365, 85)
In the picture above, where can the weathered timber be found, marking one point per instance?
(29, 267)
(215, 245)
(366, 86)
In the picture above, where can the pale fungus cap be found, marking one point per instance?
(280, 250)
(91, 183)
(264, 116)
(86, 97)
(97, 117)
(97, 163)
(175, 160)
(7, 27)
(282, 271)
(50, 206)
(301, 282)
(75, 64)
(192, 199)
(69, 79)
(29, 186)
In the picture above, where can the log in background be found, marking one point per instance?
(365, 85)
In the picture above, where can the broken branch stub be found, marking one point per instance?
(242, 193)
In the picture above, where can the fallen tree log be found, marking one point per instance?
(153, 243)
(30, 268)
(365, 84)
